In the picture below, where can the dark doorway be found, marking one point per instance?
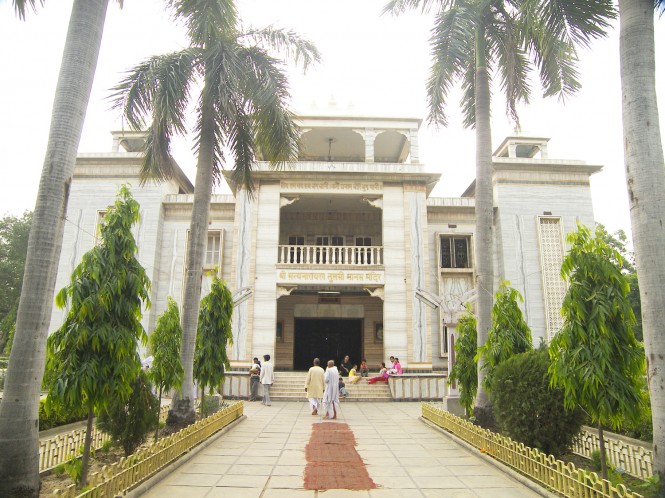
(326, 339)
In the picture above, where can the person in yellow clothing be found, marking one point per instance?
(353, 375)
(314, 386)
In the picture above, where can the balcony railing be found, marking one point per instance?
(331, 255)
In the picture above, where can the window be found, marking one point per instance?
(296, 255)
(444, 341)
(213, 250)
(98, 226)
(455, 252)
(550, 238)
(328, 242)
(363, 250)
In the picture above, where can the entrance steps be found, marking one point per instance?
(290, 386)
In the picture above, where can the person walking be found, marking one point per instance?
(254, 380)
(267, 378)
(331, 393)
(314, 386)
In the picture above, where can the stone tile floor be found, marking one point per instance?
(264, 456)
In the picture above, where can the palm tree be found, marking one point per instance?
(475, 39)
(645, 175)
(241, 107)
(19, 456)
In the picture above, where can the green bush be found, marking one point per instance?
(59, 415)
(129, 422)
(528, 410)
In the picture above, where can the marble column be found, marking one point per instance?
(242, 243)
(417, 212)
(396, 327)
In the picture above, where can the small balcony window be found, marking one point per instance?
(455, 252)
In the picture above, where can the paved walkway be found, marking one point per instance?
(264, 456)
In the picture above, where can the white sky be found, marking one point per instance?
(372, 64)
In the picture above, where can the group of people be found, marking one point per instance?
(323, 389)
(351, 370)
(393, 368)
(264, 375)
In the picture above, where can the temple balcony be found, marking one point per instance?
(330, 256)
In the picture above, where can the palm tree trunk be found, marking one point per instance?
(484, 209)
(198, 232)
(85, 463)
(19, 457)
(645, 175)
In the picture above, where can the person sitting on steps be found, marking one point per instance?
(382, 377)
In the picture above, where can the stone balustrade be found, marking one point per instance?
(330, 255)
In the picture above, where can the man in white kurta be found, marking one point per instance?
(267, 377)
(314, 386)
(331, 393)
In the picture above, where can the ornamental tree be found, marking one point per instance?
(465, 368)
(213, 336)
(595, 357)
(509, 334)
(93, 357)
(166, 371)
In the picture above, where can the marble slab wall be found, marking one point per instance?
(396, 325)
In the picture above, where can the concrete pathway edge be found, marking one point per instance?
(533, 486)
(151, 482)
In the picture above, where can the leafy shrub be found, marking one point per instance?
(59, 414)
(74, 469)
(210, 405)
(128, 422)
(528, 410)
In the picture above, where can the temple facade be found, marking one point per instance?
(345, 251)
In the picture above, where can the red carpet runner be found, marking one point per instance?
(332, 459)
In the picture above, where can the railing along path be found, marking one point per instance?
(114, 480)
(556, 475)
(62, 447)
(635, 458)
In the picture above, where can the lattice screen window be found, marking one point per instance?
(551, 256)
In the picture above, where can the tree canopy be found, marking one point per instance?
(14, 233)
(213, 336)
(465, 368)
(509, 334)
(93, 357)
(595, 357)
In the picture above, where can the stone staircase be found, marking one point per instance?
(290, 386)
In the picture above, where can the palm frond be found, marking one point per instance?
(468, 99)
(159, 88)
(267, 88)
(158, 163)
(452, 52)
(556, 60)
(511, 61)
(574, 21)
(285, 42)
(205, 19)
(164, 75)
(397, 7)
(21, 7)
(240, 140)
(659, 6)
